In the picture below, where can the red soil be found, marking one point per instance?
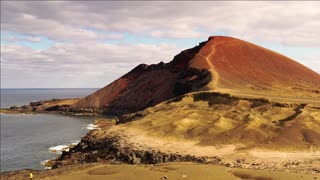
(239, 64)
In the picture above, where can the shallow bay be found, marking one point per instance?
(26, 138)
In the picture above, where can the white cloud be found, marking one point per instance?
(312, 61)
(85, 65)
(291, 23)
(179, 34)
(18, 39)
(33, 39)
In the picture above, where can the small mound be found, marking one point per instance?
(104, 171)
(249, 176)
(185, 124)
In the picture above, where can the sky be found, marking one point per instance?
(79, 44)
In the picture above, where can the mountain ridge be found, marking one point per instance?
(221, 63)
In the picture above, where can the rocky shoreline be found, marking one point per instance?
(56, 106)
(90, 150)
(113, 149)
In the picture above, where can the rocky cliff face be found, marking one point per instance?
(147, 85)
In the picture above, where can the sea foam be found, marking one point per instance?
(92, 126)
(44, 162)
(58, 149)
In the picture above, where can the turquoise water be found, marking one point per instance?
(26, 139)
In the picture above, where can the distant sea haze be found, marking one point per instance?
(27, 140)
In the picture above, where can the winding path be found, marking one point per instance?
(214, 74)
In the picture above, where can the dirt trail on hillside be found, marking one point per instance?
(214, 73)
(213, 84)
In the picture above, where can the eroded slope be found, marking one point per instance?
(213, 119)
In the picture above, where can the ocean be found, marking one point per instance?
(27, 140)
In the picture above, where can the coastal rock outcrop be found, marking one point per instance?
(93, 149)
